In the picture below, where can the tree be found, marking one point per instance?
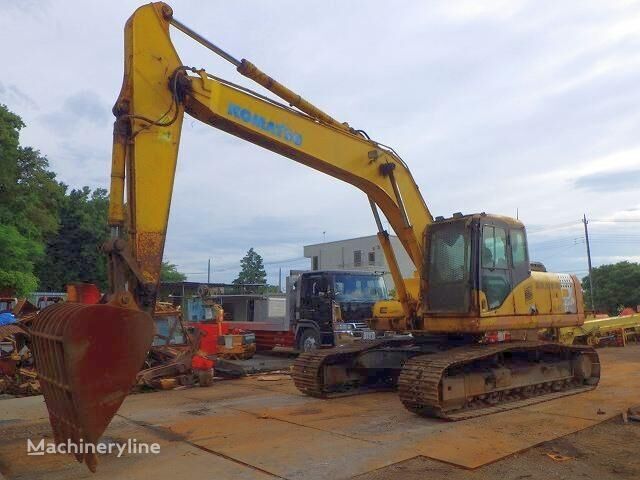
(10, 126)
(29, 193)
(74, 254)
(616, 285)
(169, 273)
(252, 269)
(29, 201)
(17, 254)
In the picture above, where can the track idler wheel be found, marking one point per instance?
(87, 358)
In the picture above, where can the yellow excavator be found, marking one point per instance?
(466, 324)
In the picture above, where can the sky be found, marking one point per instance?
(528, 108)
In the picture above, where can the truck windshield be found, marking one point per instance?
(360, 288)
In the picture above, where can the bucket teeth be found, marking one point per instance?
(87, 357)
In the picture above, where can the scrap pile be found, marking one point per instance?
(237, 345)
(17, 373)
(175, 359)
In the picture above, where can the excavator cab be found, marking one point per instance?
(472, 263)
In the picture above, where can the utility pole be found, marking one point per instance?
(209, 271)
(591, 282)
(280, 279)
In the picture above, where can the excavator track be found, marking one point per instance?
(423, 377)
(309, 370)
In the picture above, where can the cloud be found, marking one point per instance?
(15, 98)
(81, 163)
(24, 6)
(498, 106)
(81, 108)
(610, 181)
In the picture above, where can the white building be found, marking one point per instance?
(363, 253)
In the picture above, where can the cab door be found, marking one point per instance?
(520, 267)
(495, 269)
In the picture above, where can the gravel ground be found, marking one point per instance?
(609, 450)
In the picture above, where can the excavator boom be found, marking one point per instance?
(157, 90)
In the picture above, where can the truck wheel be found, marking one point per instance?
(309, 340)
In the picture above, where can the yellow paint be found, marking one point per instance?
(594, 328)
(150, 157)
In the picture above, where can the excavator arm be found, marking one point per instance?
(158, 89)
(87, 356)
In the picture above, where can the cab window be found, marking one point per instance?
(496, 276)
(518, 248)
(494, 247)
(519, 256)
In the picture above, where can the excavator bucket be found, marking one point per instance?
(87, 357)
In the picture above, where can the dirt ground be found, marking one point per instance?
(610, 450)
(262, 427)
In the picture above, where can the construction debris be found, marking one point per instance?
(168, 383)
(175, 359)
(238, 345)
(17, 373)
(273, 378)
(205, 377)
(258, 364)
(557, 457)
(634, 413)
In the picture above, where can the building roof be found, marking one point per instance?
(346, 240)
(337, 271)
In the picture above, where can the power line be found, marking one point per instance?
(551, 244)
(622, 220)
(560, 251)
(289, 260)
(237, 266)
(547, 228)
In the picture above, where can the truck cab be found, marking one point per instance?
(329, 308)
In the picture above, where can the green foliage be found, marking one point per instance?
(29, 200)
(169, 273)
(20, 282)
(10, 126)
(616, 285)
(73, 255)
(252, 269)
(37, 196)
(29, 192)
(17, 256)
